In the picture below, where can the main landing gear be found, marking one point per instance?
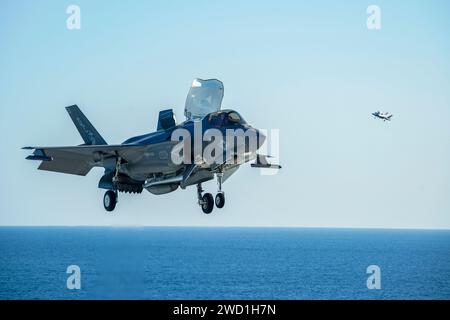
(220, 196)
(111, 196)
(110, 200)
(207, 201)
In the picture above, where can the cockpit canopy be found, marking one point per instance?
(204, 97)
(225, 118)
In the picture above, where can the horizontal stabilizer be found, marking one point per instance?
(39, 154)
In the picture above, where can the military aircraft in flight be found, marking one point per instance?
(386, 116)
(147, 161)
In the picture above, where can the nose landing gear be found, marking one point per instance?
(220, 200)
(205, 201)
(220, 196)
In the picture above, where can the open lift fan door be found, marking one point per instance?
(204, 97)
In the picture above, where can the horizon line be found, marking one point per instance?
(224, 227)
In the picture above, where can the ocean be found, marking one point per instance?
(223, 263)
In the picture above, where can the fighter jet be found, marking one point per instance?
(386, 116)
(175, 156)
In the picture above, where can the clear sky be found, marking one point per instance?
(311, 69)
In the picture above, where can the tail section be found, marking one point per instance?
(87, 131)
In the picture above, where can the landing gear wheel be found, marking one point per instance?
(208, 203)
(109, 200)
(220, 200)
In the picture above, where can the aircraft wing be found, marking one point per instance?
(79, 160)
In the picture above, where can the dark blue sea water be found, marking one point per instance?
(223, 263)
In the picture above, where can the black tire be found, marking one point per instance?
(109, 200)
(220, 200)
(208, 203)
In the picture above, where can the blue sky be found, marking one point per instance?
(311, 69)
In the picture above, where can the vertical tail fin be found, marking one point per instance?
(87, 131)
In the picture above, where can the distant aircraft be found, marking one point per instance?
(384, 116)
(146, 161)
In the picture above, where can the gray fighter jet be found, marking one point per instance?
(147, 161)
(386, 116)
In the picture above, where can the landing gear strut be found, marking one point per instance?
(110, 200)
(110, 197)
(206, 201)
(220, 196)
(115, 178)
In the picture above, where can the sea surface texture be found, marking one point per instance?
(223, 263)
